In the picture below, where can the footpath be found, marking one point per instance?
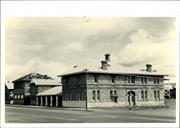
(44, 107)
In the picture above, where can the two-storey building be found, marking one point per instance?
(27, 87)
(105, 87)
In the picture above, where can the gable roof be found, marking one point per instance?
(45, 82)
(110, 70)
(31, 76)
(52, 91)
(9, 85)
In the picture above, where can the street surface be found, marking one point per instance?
(27, 114)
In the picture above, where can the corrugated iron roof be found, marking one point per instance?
(31, 76)
(45, 82)
(52, 91)
(110, 70)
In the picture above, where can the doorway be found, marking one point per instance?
(131, 98)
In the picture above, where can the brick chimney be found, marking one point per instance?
(104, 65)
(148, 67)
(107, 57)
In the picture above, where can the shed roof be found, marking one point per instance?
(45, 82)
(52, 91)
(110, 70)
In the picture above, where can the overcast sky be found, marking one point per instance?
(52, 45)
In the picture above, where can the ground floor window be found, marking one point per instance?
(19, 96)
(156, 95)
(113, 95)
(144, 95)
(96, 95)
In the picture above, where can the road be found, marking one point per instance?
(24, 114)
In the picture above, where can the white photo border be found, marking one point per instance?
(88, 8)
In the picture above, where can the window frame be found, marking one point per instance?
(142, 80)
(133, 79)
(112, 79)
(94, 95)
(95, 78)
(155, 94)
(98, 95)
(146, 95)
(145, 80)
(142, 94)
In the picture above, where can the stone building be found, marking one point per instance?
(106, 87)
(26, 87)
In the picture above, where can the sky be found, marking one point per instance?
(53, 45)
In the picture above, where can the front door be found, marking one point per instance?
(131, 98)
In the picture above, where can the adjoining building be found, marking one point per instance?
(9, 92)
(105, 87)
(170, 90)
(50, 98)
(27, 87)
(7, 100)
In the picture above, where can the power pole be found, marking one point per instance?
(86, 87)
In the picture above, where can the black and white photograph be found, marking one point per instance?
(90, 69)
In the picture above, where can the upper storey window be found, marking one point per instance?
(144, 80)
(131, 79)
(113, 79)
(95, 78)
(156, 80)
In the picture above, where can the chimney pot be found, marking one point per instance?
(107, 57)
(104, 65)
(148, 67)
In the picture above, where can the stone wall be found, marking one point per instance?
(74, 84)
(80, 104)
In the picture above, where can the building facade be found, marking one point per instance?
(26, 88)
(9, 92)
(103, 87)
(40, 85)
